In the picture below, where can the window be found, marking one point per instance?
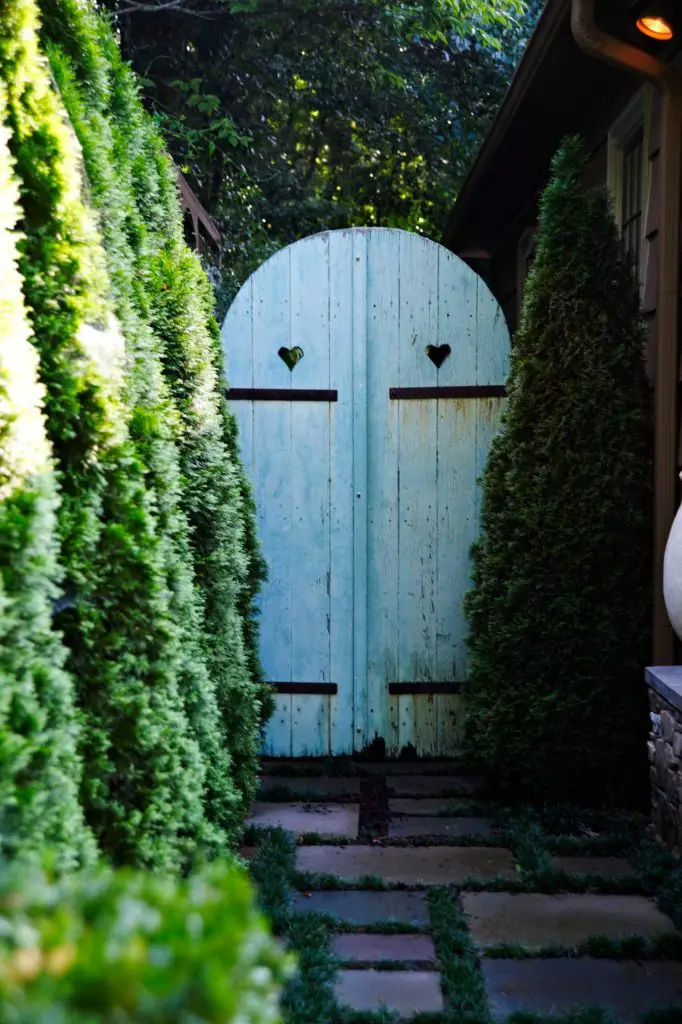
(631, 198)
(627, 171)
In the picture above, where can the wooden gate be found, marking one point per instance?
(367, 372)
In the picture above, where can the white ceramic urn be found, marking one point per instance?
(672, 574)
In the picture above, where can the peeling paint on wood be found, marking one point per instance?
(368, 505)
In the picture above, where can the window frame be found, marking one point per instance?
(630, 128)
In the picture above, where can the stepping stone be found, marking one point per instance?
(433, 785)
(625, 988)
(422, 865)
(369, 948)
(361, 908)
(409, 767)
(321, 785)
(537, 920)
(430, 805)
(608, 867)
(338, 820)
(425, 826)
(402, 992)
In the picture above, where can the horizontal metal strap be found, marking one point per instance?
(280, 395)
(463, 391)
(398, 689)
(312, 688)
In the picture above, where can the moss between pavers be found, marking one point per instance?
(667, 946)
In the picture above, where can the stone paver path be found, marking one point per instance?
(371, 948)
(329, 820)
(392, 945)
(568, 919)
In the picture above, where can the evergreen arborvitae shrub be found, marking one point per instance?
(144, 783)
(40, 768)
(181, 427)
(560, 606)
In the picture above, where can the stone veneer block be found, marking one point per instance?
(370, 948)
(665, 753)
(433, 785)
(401, 992)
(607, 867)
(625, 988)
(360, 907)
(536, 920)
(338, 820)
(418, 825)
(321, 785)
(423, 865)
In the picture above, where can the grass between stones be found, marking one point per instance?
(667, 946)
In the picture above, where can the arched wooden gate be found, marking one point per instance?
(367, 369)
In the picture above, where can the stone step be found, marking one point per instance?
(327, 820)
(624, 988)
(433, 785)
(536, 920)
(364, 947)
(427, 805)
(319, 786)
(607, 867)
(361, 907)
(423, 865)
(404, 826)
(401, 992)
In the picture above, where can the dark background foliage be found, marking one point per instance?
(290, 117)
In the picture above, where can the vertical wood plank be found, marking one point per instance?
(309, 482)
(425, 728)
(342, 497)
(417, 468)
(383, 336)
(406, 721)
(360, 487)
(272, 469)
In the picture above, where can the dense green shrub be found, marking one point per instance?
(40, 768)
(109, 946)
(559, 612)
(180, 425)
(144, 785)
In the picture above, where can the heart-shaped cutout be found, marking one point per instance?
(438, 354)
(291, 356)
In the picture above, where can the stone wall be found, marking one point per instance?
(665, 755)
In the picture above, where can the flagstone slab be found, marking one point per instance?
(321, 785)
(625, 988)
(417, 825)
(411, 865)
(369, 948)
(433, 785)
(360, 907)
(536, 920)
(435, 767)
(427, 805)
(607, 867)
(338, 820)
(401, 992)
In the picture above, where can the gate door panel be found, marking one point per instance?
(367, 372)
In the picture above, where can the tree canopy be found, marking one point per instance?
(292, 116)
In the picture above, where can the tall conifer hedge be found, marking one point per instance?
(155, 524)
(559, 612)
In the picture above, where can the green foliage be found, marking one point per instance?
(40, 768)
(183, 431)
(142, 791)
(137, 946)
(559, 612)
(463, 984)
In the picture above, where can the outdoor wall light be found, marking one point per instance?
(656, 21)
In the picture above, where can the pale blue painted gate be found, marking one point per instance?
(366, 483)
